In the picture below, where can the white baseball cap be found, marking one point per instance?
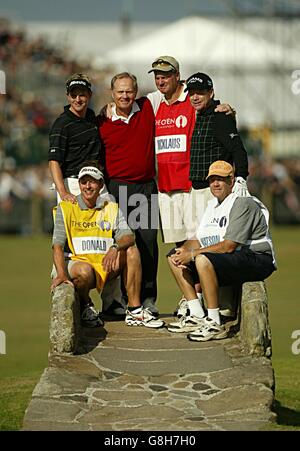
(92, 172)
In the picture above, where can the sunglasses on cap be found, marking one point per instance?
(161, 61)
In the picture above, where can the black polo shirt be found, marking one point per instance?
(215, 137)
(74, 140)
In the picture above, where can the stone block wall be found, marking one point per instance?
(255, 333)
(64, 320)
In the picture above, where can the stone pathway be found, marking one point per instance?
(134, 378)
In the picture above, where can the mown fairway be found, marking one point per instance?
(25, 307)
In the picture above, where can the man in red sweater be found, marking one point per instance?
(129, 161)
(175, 119)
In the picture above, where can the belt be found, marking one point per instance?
(202, 184)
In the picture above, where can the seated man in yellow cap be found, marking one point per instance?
(98, 245)
(232, 246)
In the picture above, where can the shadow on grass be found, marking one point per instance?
(286, 416)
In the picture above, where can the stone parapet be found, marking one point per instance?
(255, 333)
(64, 320)
(252, 321)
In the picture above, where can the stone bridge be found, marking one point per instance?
(120, 378)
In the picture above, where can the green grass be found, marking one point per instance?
(283, 291)
(25, 307)
(14, 398)
(287, 393)
(24, 317)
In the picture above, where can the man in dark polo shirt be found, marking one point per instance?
(73, 138)
(215, 137)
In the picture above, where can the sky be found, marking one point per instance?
(105, 10)
(137, 10)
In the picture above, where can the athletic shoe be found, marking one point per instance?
(185, 324)
(90, 317)
(142, 317)
(115, 309)
(210, 330)
(182, 308)
(150, 305)
(227, 315)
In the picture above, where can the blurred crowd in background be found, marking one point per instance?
(35, 73)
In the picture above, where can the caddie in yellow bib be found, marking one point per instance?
(93, 243)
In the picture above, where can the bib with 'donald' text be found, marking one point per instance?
(90, 234)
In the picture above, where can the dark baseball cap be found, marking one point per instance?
(78, 81)
(199, 81)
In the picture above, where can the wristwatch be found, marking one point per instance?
(115, 246)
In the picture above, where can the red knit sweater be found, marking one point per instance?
(129, 148)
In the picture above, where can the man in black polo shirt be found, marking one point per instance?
(215, 137)
(73, 138)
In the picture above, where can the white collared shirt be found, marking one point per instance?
(115, 117)
(181, 98)
(156, 97)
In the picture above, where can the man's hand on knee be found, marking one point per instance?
(110, 261)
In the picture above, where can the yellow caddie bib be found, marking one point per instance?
(89, 234)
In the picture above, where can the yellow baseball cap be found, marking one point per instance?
(221, 168)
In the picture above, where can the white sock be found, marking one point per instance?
(196, 308)
(213, 313)
(135, 309)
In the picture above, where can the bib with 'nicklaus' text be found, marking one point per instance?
(173, 130)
